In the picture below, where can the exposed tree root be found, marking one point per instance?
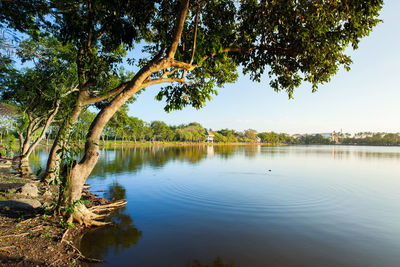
(94, 215)
(109, 207)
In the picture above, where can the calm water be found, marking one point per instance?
(250, 206)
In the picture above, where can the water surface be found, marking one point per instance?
(250, 206)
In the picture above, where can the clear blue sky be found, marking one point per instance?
(367, 98)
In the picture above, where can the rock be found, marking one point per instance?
(5, 163)
(24, 204)
(10, 187)
(34, 203)
(29, 190)
(47, 193)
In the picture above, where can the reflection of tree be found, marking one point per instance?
(251, 151)
(216, 263)
(134, 159)
(38, 158)
(225, 151)
(120, 235)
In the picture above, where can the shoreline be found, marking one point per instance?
(29, 235)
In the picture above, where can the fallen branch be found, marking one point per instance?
(23, 234)
(64, 236)
(81, 256)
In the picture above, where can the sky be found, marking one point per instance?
(367, 98)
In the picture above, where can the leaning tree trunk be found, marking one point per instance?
(80, 171)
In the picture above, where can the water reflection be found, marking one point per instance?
(318, 206)
(122, 234)
(134, 159)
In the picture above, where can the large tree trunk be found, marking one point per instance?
(80, 171)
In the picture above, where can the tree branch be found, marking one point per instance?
(169, 72)
(178, 28)
(161, 80)
(196, 21)
(113, 92)
(182, 65)
(36, 126)
(75, 89)
(47, 124)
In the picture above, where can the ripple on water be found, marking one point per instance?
(293, 201)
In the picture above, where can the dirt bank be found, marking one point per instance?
(29, 235)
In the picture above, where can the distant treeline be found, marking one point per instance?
(369, 138)
(127, 128)
(123, 127)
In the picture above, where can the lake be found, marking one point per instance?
(249, 206)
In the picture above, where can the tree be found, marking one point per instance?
(38, 91)
(135, 128)
(7, 114)
(251, 135)
(195, 46)
(118, 123)
(160, 129)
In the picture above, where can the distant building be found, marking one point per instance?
(210, 136)
(335, 137)
(258, 139)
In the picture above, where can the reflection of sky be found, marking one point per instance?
(330, 205)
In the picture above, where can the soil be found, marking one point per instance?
(29, 236)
